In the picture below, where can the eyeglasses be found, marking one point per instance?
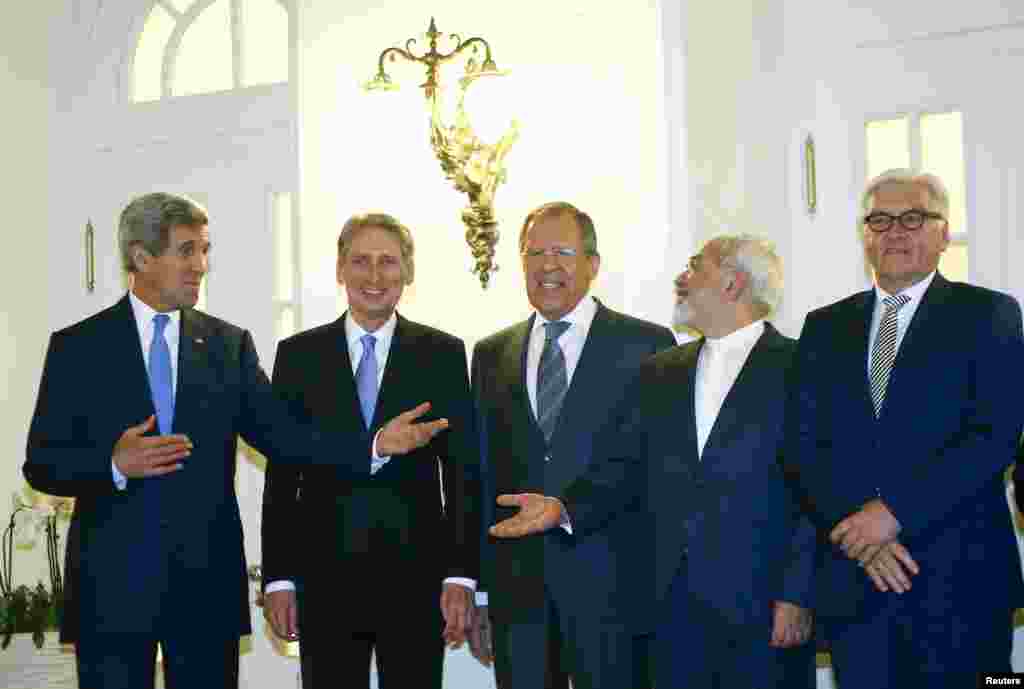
(914, 219)
(555, 251)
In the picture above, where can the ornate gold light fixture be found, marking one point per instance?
(474, 166)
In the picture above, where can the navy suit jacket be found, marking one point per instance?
(165, 554)
(936, 455)
(388, 533)
(587, 578)
(731, 511)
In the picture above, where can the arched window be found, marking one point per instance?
(188, 47)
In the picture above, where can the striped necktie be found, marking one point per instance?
(884, 351)
(552, 379)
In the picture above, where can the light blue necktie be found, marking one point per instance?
(366, 378)
(161, 384)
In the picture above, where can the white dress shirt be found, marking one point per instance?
(718, 367)
(353, 335)
(571, 342)
(144, 314)
(903, 316)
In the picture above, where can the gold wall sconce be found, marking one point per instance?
(810, 176)
(474, 166)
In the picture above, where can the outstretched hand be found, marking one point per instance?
(537, 513)
(402, 434)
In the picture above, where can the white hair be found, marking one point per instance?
(936, 189)
(756, 258)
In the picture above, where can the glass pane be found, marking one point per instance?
(203, 63)
(149, 55)
(888, 144)
(264, 42)
(181, 5)
(284, 261)
(285, 322)
(953, 264)
(942, 154)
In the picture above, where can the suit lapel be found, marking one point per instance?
(338, 395)
(194, 375)
(401, 362)
(125, 346)
(512, 373)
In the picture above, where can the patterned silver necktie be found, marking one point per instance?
(552, 379)
(884, 351)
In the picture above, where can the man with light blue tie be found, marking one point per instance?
(158, 558)
(397, 560)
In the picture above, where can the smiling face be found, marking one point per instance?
(555, 283)
(373, 277)
(902, 257)
(172, 280)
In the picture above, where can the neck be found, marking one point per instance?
(737, 320)
(150, 298)
(367, 323)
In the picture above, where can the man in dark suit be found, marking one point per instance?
(905, 418)
(389, 546)
(542, 387)
(159, 550)
(694, 446)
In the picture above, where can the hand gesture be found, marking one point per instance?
(400, 435)
(281, 611)
(864, 532)
(139, 456)
(890, 567)
(537, 513)
(457, 608)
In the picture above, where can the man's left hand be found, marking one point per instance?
(791, 624)
(457, 608)
(866, 530)
(537, 513)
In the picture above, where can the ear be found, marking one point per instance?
(595, 265)
(140, 257)
(341, 279)
(737, 285)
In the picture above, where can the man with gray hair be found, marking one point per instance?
(401, 547)
(696, 444)
(905, 416)
(138, 415)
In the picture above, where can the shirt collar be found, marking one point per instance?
(744, 338)
(354, 332)
(914, 292)
(144, 315)
(582, 315)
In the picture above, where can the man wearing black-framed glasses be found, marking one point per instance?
(904, 419)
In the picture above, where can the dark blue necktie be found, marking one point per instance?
(161, 382)
(366, 378)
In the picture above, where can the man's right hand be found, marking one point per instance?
(400, 435)
(537, 513)
(892, 567)
(281, 611)
(479, 637)
(139, 456)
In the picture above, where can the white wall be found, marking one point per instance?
(24, 280)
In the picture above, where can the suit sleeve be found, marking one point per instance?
(282, 483)
(922, 490)
(485, 486)
(62, 456)
(617, 479)
(459, 455)
(267, 424)
(808, 448)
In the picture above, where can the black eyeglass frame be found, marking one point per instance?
(901, 219)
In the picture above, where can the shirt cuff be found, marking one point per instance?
(481, 599)
(564, 522)
(462, 581)
(120, 480)
(279, 585)
(376, 462)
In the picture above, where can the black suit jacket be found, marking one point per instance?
(936, 455)
(731, 511)
(165, 552)
(586, 577)
(376, 550)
